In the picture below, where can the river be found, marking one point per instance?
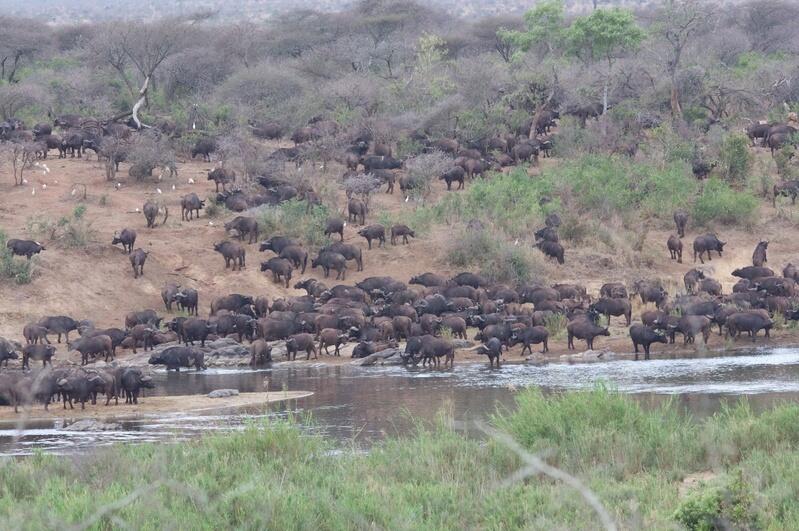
(364, 404)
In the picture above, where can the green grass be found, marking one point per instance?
(272, 476)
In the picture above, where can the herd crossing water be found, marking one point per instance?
(364, 404)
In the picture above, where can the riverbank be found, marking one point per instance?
(649, 468)
(227, 353)
(152, 405)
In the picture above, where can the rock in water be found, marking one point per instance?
(92, 425)
(223, 393)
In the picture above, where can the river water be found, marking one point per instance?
(364, 404)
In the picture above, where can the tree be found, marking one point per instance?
(545, 28)
(677, 23)
(604, 36)
(545, 34)
(141, 47)
(20, 41)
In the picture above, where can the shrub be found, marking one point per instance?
(295, 220)
(720, 203)
(69, 231)
(735, 158)
(20, 271)
(424, 169)
(497, 259)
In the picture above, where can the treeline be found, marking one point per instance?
(397, 66)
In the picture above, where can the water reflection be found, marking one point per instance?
(368, 403)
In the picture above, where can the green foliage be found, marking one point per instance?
(666, 145)
(276, 475)
(497, 259)
(604, 34)
(295, 220)
(597, 425)
(556, 325)
(735, 158)
(70, 232)
(716, 507)
(545, 27)
(719, 203)
(19, 270)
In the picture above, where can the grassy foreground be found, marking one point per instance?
(636, 460)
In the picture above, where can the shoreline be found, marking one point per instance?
(226, 353)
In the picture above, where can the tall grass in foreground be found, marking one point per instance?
(272, 477)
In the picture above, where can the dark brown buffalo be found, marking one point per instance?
(38, 352)
(26, 248)
(586, 330)
(753, 272)
(330, 260)
(356, 210)
(552, 250)
(705, 244)
(531, 336)
(374, 232)
(401, 230)
(150, 210)
(454, 174)
(232, 252)
(617, 307)
(613, 290)
(674, 245)
(296, 255)
(137, 259)
(681, 220)
(759, 255)
(261, 352)
(245, 226)
(188, 205)
(281, 268)
(335, 226)
(221, 176)
(645, 336)
(300, 342)
(127, 238)
(350, 252)
(92, 346)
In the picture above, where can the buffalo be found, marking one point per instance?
(232, 252)
(645, 336)
(26, 248)
(705, 244)
(127, 238)
(137, 259)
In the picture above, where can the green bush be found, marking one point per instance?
(73, 231)
(18, 270)
(721, 204)
(496, 258)
(735, 158)
(718, 507)
(295, 220)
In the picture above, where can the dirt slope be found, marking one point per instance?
(96, 282)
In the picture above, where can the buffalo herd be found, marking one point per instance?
(431, 313)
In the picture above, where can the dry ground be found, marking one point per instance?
(96, 282)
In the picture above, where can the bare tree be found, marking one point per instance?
(677, 24)
(20, 156)
(424, 169)
(20, 41)
(362, 185)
